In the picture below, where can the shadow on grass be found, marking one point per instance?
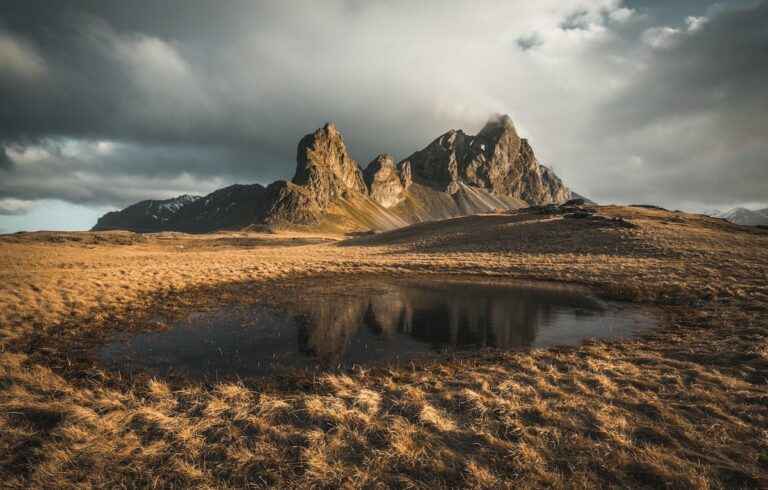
(517, 233)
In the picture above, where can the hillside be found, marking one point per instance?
(682, 406)
(146, 216)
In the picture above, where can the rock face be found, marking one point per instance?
(455, 175)
(324, 167)
(497, 159)
(324, 173)
(290, 203)
(385, 183)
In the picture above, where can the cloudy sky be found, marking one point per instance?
(104, 103)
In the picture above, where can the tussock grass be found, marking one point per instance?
(685, 406)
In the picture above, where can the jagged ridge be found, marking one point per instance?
(497, 160)
(455, 175)
(145, 216)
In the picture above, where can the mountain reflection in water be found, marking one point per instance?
(380, 323)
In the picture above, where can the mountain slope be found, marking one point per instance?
(144, 216)
(455, 175)
(746, 217)
(227, 208)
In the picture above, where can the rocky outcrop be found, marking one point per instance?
(385, 183)
(406, 176)
(496, 159)
(324, 167)
(324, 174)
(291, 203)
(455, 175)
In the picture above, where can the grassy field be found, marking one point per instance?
(685, 406)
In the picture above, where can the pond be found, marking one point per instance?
(374, 322)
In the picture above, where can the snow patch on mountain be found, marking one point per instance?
(746, 217)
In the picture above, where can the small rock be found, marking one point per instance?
(578, 215)
(575, 202)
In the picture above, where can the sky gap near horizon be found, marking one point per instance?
(109, 103)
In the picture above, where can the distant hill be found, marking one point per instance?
(146, 216)
(747, 217)
(455, 175)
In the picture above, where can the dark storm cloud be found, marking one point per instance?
(697, 115)
(162, 74)
(5, 160)
(675, 11)
(118, 174)
(108, 102)
(529, 42)
(577, 20)
(721, 68)
(188, 73)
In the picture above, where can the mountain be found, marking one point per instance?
(496, 160)
(744, 216)
(326, 176)
(225, 208)
(455, 175)
(145, 216)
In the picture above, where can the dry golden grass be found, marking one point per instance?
(686, 406)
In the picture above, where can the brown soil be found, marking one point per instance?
(686, 406)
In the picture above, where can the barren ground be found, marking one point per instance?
(685, 406)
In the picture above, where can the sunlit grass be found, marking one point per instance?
(685, 406)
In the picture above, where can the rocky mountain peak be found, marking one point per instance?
(325, 168)
(330, 128)
(496, 159)
(385, 183)
(497, 127)
(498, 138)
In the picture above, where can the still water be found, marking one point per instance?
(380, 322)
